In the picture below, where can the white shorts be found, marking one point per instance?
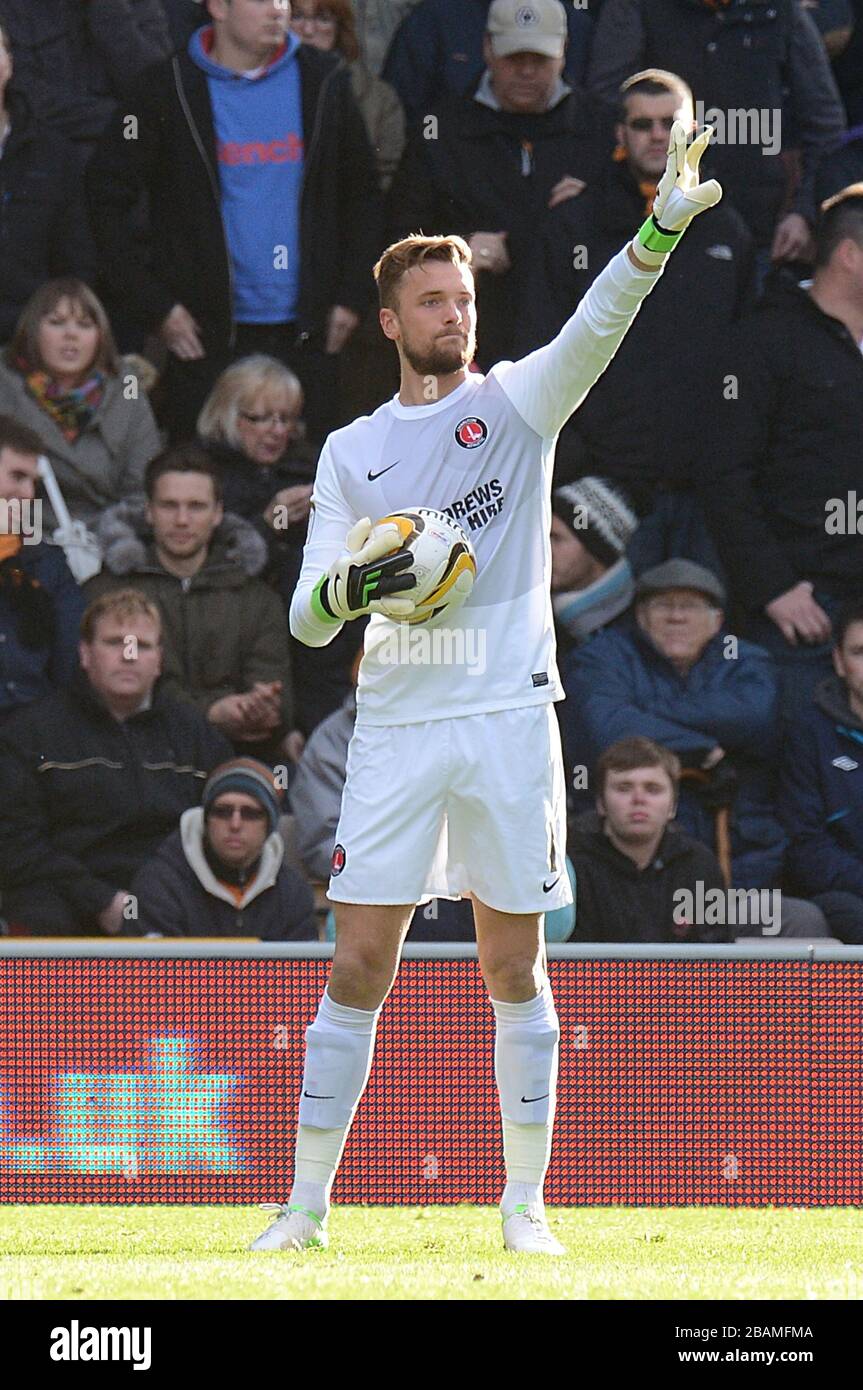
(440, 809)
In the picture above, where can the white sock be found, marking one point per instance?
(526, 1059)
(339, 1047)
(521, 1194)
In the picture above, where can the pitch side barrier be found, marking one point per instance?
(168, 1071)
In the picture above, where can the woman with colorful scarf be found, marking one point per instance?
(62, 377)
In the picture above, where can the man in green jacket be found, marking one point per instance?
(225, 631)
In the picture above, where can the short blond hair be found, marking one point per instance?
(119, 603)
(236, 388)
(23, 351)
(411, 251)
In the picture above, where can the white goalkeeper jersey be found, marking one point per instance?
(484, 455)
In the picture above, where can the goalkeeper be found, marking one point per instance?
(434, 803)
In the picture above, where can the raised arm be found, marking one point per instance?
(548, 385)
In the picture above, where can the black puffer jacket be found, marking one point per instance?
(74, 58)
(782, 444)
(87, 799)
(174, 159)
(43, 221)
(617, 431)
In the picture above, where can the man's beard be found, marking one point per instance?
(440, 360)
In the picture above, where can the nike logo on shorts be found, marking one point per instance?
(371, 476)
(525, 1100)
(547, 887)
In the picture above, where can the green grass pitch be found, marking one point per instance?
(95, 1252)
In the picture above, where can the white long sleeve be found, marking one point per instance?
(329, 522)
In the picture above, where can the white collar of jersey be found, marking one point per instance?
(418, 412)
(484, 93)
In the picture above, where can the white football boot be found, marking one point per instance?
(526, 1231)
(295, 1229)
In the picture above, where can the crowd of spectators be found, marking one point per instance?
(192, 196)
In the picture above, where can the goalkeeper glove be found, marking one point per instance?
(372, 567)
(679, 197)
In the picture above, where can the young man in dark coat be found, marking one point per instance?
(617, 432)
(633, 868)
(264, 207)
(222, 873)
(749, 62)
(94, 777)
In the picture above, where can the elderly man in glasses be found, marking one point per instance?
(222, 873)
(677, 676)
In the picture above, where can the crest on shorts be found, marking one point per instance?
(471, 432)
(337, 862)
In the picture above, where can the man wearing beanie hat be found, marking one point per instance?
(591, 581)
(222, 873)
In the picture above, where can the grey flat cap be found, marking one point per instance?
(680, 574)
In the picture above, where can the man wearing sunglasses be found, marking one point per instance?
(618, 433)
(222, 873)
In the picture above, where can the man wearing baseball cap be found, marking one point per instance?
(591, 578)
(519, 143)
(527, 26)
(437, 51)
(222, 873)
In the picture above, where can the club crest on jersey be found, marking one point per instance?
(471, 432)
(337, 863)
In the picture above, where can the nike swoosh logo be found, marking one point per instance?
(308, 1095)
(547, 887)
(529, 1101)
(371, 476)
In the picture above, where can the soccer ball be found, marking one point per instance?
(443, 562)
